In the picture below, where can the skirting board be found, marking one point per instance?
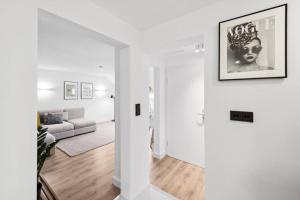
(104, 121)
(116, 182)
(151, 193)
(158, 156)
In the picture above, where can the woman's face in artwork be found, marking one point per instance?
(250, 52)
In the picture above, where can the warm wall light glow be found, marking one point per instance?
(44, 93)
(44, 86)
(101, 93)
(44, 90)
(100, 90)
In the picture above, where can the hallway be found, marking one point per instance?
(89, 176)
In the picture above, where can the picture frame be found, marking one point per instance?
(87, 90)
(254, 46)
(70, 90)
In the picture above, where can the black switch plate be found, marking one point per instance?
(241, 116)
(137, 109)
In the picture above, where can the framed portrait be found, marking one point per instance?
(254, 46)
(70, 90)
(87, 91)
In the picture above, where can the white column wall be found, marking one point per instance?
(140, 139)
(135, 158)
(245, 161)
(117, 110)
(159, 150)
(18, 56)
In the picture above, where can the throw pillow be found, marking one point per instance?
(53, 119)
(42, 117)
(64, 115)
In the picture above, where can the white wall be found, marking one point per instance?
(87, 14)
(245, 161)
(18, 39)
(100, 108)
(135, 140)
(159, 150)
(18, 48)
(133, 82)
(184, 103)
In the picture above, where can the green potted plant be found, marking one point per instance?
(43, 151)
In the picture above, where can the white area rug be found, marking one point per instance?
(105, 134)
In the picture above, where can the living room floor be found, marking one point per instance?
(89, 175)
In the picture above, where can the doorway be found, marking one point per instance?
(185, 107)
(69, 53)
(180, 172)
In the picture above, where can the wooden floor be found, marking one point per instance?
(89, 176)
(84, 177)
(180, 179)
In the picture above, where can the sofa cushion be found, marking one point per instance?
(50, 119)
(82, 122)
(87, 129)
(75, 113)
(64, 115)
(43, 113)
(56, 128)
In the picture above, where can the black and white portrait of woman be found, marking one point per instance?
(245, 47)
(254, 45)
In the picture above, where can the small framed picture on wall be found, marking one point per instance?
(87, 90)
(70, 90)
(254, 46)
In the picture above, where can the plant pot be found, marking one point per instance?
(39, 189)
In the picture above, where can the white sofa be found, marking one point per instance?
(76, 124)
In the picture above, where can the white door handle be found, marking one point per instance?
(201, 122)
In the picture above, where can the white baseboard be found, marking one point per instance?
(151, 193)
(158, 156)
(104, 121)
(119, 198)
(171, 197)
(116, 182)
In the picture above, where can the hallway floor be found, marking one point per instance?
(178, 178)
(89, 176)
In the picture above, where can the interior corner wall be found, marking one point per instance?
(18, 57)
(159, 112)
(100, 108)
(245, 161)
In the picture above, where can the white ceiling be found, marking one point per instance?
(65, 46)
(144, 14)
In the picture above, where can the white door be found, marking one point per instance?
(185, 106)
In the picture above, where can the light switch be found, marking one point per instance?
(241, 116)
(137, 109)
